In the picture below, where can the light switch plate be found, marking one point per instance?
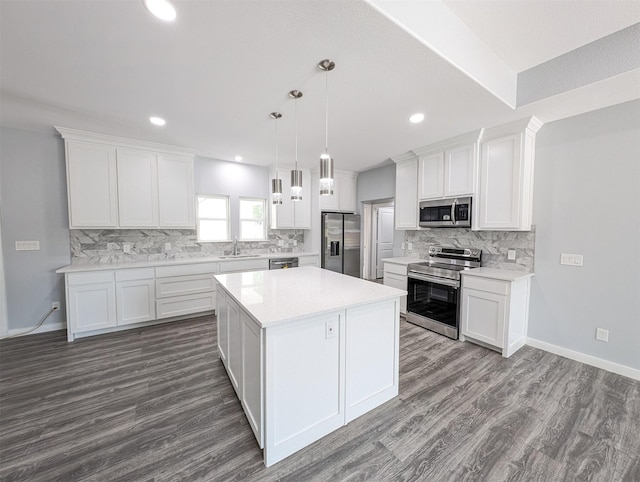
(511, 254)
(27, 245)
(571, 259)
(167, 246)
(126, 248)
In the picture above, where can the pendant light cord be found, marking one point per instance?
(326, 110)
(296, 114)
(276, 147)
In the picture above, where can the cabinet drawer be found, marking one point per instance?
(186, 269)
(135, 274)
(74, 279)
(185, 305)
(395, 268)
(184, 285)
(244, 265)
(395, 281)
(485, 284)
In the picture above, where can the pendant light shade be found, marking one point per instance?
(326, 161)
(276, 183)
(296, 174)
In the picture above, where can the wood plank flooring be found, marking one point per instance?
(155, 404)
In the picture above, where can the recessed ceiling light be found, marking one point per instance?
(157, 121)
(238, 158)
(161, 9)
(416, 118)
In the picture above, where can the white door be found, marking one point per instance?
(135, 301)
(384, 238)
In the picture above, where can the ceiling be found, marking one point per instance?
(217, 72)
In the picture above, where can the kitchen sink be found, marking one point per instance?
(236, 256)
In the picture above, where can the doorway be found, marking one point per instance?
(378, 237)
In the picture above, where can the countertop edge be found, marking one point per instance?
(499, 274)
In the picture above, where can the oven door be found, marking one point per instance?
(433, 303)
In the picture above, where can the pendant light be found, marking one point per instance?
(276, 183)
(326, 161)
(296, 174)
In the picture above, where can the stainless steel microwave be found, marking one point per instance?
(444, 213)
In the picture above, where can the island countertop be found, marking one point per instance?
(278, 296)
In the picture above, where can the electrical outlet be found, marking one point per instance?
(167, 246)
(55, 305)
(410, 246)
(571, 259)
(126, 248)
(602, 334)
(403, 245)
(511, 254)
(295, 242)
(331, 329)
(281, 243)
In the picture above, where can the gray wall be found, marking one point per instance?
(587, 185)
(230, 178)
(379, 184)
(34, 207)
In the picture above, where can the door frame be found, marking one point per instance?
(369, 232)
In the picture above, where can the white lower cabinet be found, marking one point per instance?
(91, 307)
(495, 312)
(234, 353)
(312, 260)
(222, 319)
(395, 275)
(252, 374)
(135, 296)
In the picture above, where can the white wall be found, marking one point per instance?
(34, 207)
(586, 201)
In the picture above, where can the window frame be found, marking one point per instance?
(199, 218)
(264, 218)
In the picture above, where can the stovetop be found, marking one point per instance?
(447, 262)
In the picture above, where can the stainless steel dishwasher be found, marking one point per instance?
(282, 263)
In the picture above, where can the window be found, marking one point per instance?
(213, 218)
(252, 219)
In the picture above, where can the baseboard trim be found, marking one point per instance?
(587, 359)
(43, 329)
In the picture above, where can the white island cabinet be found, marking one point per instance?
(307, 351)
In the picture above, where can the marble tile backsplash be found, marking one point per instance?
(107, 246)
(494, 245)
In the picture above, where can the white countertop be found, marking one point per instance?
(501, 274)
(82, 266)
(404, 261)
(279, 296)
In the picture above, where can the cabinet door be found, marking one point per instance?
(252, 374)
(176, 199)
(458, 171)
(347, 194)
(406, 212)
(135, 301)
(499, 187)
(92, 306)
(483, 316)
(430, 176)
(302, 209)
(282, 214)
(234, 355)
(92, 185)
(137, 188)
(223, 325)
(400, 282)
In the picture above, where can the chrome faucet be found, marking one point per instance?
(235, 251)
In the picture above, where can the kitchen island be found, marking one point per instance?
(307, 350)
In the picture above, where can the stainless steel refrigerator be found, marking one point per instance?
(341, 243)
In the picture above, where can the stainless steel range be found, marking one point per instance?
(434, 288)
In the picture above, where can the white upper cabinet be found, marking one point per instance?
(406, 204)
(122, 183)
(504, 200)
(431, 176)
(137, 188)
(291, 214)
(176, 196)
(447, 169)
(344, 193)
(91, 185)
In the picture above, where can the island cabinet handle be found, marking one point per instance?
(335, 248)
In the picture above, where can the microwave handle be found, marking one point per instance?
(453, 211)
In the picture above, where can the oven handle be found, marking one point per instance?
(453, 211)
(432, 279)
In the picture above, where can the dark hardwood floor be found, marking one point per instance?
(156, 404)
